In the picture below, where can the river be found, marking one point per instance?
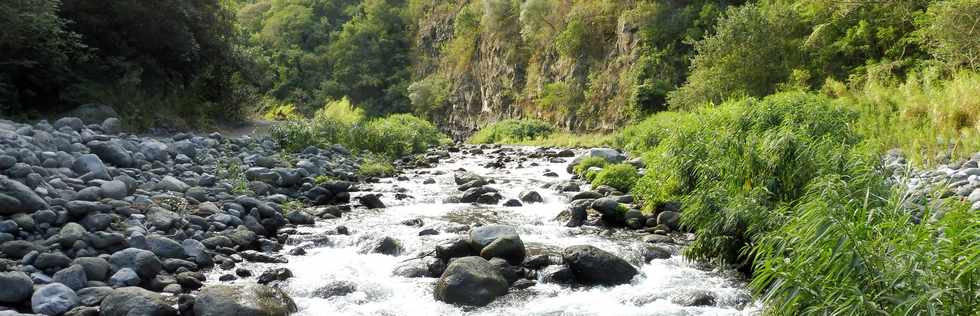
(378, 292)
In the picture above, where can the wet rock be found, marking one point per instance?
(513, 203)
(593, 266)
(586, 195)
(243, 300)
(509, 248)
(414, 222)
(454, 248)
(474, 194)
(612, 212)
(53, 299)
(557, 274)
(470, 281)
(52, 261)
(523, 284)
(336, 288)
(489, 198)
(135, 301)
(371, 201)
(567, 186)
(462, 177)
(164, 247)
(669, 219)
(299, 217)
(694, 298)
(255, 256)
(272, 275)
(15, 197)
(17, 287)
(655, 252)
(428, 232)
(531, 197)
(385, 245)
(634, 219)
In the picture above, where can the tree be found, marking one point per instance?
(35, 52)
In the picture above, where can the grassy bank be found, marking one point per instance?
(537, 133)
(790, 189)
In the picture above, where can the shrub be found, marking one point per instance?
(736, 168)
(375, 166)
(620, 176)
(512, 131)
(282, 112)
(950, 32)
(587, 163)
(392, 136)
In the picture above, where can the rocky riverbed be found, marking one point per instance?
(94, 221)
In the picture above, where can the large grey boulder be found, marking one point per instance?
(498, 241)
(135, 301)
(17, 287)
(470, 281)
(112, 152)
(594, 266)
(90, 166)
(96, 268)
(243, 300)
(143, 262)
(15, 197)
(612, 212)
(114, 189)
(53, 299)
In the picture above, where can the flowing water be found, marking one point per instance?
(380, 293)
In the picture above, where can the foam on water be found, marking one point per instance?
(380, 293)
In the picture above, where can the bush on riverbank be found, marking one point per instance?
(512, 131)
(392, 136)
(739, 167)
(620, 176)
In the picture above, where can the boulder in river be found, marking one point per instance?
(502, 240)
(53, 299)
(531, 197)
(594, 266)
(243, 300)
(470, 281)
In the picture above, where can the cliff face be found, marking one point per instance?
(507, 70)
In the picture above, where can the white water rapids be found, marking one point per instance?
(380, 293)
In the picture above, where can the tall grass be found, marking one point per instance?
(339, 123)
(850, 249)
(790, 189)
(925, 117)
(738, 166)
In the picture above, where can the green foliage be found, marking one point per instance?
(35, 48)
(620, 176)
(376, 166)
(589, 162)
(930, 120)
(511, 131)
(753, 49)
(234, 172)
(282, 112)
(571, 41)
(735, 167)
(428, 95)
(851, 248)
(393, 136)
(951, 34)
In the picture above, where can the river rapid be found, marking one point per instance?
(379, 292)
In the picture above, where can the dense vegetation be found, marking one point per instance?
(766, 118)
